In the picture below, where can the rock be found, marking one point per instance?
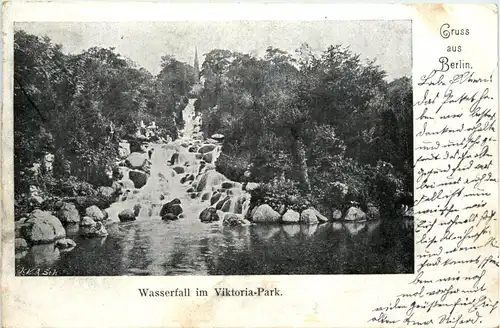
(372, 212)
(68, 213)
(209, 215)
(211, 141)
(42, 227)
(206, 196)
(126, 215)
(308, 216)
(209, 179)
(65, 243)
(321, 218)
(139, 178)
(127, 184)
(218, 137)
(137, 209)
(193, 149)
(265, 214)
(106, 192)
(136, 160)
(174, 158)
(251, 186)
(169, 217)
(228, 184)
(175, 201)
(226, 207)
(198, 156)
(178, 169)
(17, 227)
(20, 244)
(97, 231)
(95, 213)
(123, 149)
(336, 214)
(291, 216)
(206, 148)
(215, 198)
(87, 222)
(355, 214)
(221, 203)
(171, 207)
(238, 207)
(208, 157)
(233, 220)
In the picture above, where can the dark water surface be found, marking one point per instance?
(189, 247)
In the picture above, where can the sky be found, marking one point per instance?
(389, 42)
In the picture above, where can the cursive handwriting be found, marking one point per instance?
(455, 164)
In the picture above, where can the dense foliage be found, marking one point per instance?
(328, 129)
(76, 107)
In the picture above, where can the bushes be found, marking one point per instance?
(233, 167)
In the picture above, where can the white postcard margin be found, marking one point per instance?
(308, 301)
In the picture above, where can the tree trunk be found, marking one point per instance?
(299, 152)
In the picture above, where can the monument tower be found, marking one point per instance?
(196, 66)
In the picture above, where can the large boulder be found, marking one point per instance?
(127, 184)
(321, 218)
(95, 213)
(238, 206)
(137, 209)
(233, 220)
(336, 214)
(208, 157)
(68, 213)
(169, 217)
(251, 186)
(106, 192)
(87, 222)
(42, 227)
(218, 137)
(355, 214)
(136, 160)
(20, 244)
(308, 216)
(139, 178)
(222, 202)
(206, 148)
(65, 243)
(206, 196)
(215, 198)
(209, 179)
(265, 214)
(226, 207)
(179, 169)
(123, 149)
(126, 215)
(96, 231)
(209, 215)
(174, 207)
(291, 216)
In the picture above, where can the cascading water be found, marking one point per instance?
(171, 165)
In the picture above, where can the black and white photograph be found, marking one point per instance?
(209, 148)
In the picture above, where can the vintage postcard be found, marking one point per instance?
(257, 165)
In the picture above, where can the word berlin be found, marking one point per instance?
(221, 292)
